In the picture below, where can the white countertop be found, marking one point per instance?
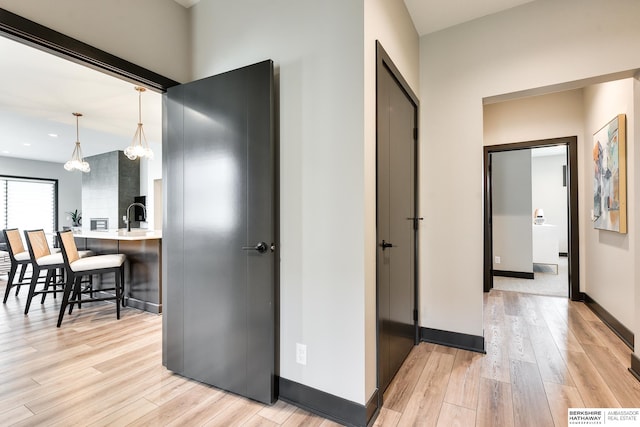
(135, 234)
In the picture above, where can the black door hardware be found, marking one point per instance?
(260, 247)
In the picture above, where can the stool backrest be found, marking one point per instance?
(68, 245)
(14, 241)
(37, 243)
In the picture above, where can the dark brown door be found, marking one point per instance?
(396, 225)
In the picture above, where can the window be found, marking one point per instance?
(29, 203)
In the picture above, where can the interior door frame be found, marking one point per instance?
(571, 142)
(384, 62)
(43, 38)
(25, 31)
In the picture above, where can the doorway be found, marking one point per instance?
(397, 218)
(255, 331)
(17, 28)
(572, 208)
(529, 209)
(77, 77)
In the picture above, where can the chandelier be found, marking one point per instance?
(137, 147)
(77, 162)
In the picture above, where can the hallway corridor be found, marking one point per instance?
(544, 355)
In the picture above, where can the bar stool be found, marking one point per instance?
(76, 268)
(19, 258)
(43, 260)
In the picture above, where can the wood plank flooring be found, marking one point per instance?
(99, 371)
(544, 354)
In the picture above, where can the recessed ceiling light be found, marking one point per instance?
(53, 135)
(26, 144)
(6, 152)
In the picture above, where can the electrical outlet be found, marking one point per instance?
(301, 354)
(497, 260)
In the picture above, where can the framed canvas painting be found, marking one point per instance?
(610, 176)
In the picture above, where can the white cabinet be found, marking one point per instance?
(545, 244)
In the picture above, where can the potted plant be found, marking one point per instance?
(76, 220)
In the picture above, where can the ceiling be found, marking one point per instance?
(435, 15)
(39, 92)
(34, 104)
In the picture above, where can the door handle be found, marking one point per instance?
(260, 247)
(386, 245)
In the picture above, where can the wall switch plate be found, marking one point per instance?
(301, 354)
(497, 260)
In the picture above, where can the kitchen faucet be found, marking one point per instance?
(144, 208)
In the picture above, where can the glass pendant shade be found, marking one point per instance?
(77, 161)
(139, 147)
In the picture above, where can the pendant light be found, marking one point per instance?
(77, 162)
(137, 148)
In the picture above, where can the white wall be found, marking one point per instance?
(151, 170)
(69, 183)
(320, 51)
(387, 21)
(548, 193)
(610, 256)
(553, 115)
(317, 48)
(511, 206)
(153, 34)
(538, 44)
(324, 54)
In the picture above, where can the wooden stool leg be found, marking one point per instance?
(122, 283)
(59, 274)
(65, 298)
(47, 283)
(118, 294)
(23, 270)
(32, 288)
(78, 291)
(77, 294)
(12, 275)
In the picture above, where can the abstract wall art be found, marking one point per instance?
(610, 176)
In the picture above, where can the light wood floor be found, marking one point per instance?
(544, 354)
(98, 371)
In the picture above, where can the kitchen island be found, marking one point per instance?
(143, 268)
